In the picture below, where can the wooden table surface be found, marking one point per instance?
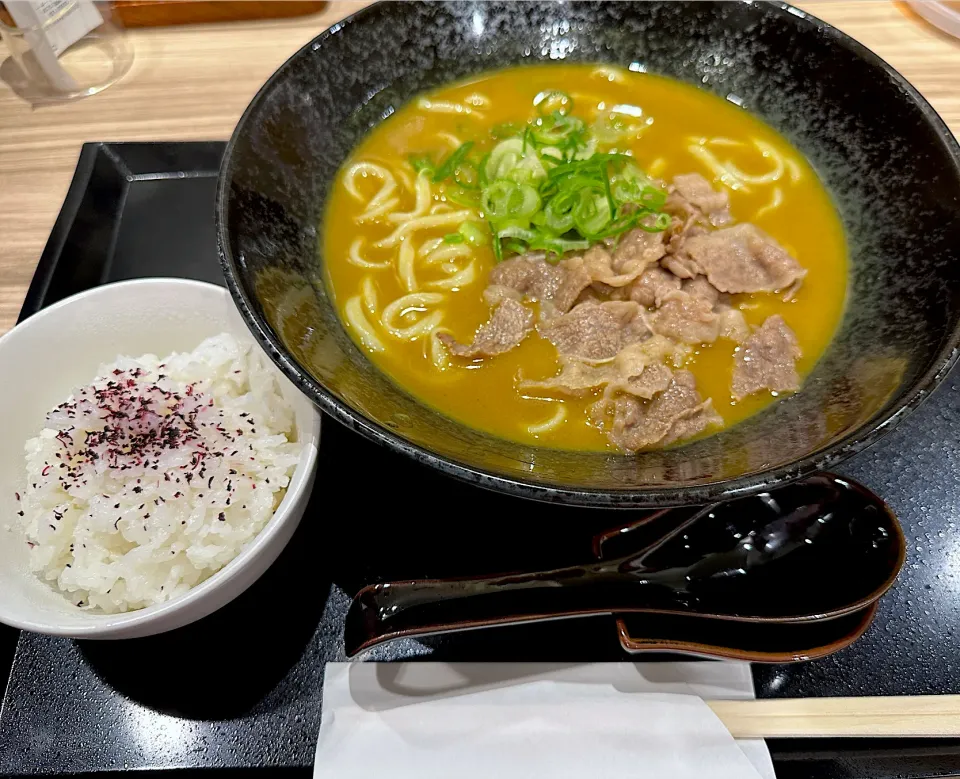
(192, 83)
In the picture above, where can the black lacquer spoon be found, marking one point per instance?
(817, 549)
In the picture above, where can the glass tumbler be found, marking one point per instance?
(62, 49)
(944, 14)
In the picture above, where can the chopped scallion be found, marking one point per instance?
(452, 163)
(473, 234)
(467, 175)
(421, 162)
(544, 187)
(558, 129)
(553, 101)
(497, 248)
(463, 197)
(506, 200)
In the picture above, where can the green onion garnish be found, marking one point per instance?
(544, 187)
(506, 200)
(558, 214)
(553, 101)
(421, 162)
(467, 175)
(557, 129)
(529, 142)
(452, 163)
(474, 234)
(497, 248)
(469, 198)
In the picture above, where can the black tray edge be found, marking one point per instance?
(793, 757)
(131, 160)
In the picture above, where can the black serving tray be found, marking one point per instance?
(239, 693)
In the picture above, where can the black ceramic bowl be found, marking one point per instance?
(892, 165)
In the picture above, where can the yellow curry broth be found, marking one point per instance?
(483, 394)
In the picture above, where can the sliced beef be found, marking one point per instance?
(692, 196)
(682, 266)
(638, 247)
(557, 287)
(508, 326)
(530, 275)
(598, 262)
(697, 314)
(679, 231)
(685, 318)
(699, 192)
(653, 285)
(592, 331)
(701, 288)
(732, 323)
(589, 295)
(576, 379)
(634, 358)
(619, 416)
(791, 292)
(743, 259)
(495, 294)
(653, 379)
(694, 423)
(637, 370)
(675, 413)
(575, 280)
(767, 361)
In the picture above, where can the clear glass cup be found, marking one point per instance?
(944, 14)
(72, 48)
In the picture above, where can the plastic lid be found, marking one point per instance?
(945, 14)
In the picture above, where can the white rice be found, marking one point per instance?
(121, 513)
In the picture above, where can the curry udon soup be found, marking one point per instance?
(585, 257)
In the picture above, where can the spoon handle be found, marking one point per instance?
(384, 611)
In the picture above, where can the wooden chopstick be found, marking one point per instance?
(892, 716)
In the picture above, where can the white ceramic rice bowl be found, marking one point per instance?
(43, 359)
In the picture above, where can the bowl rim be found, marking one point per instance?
(699, 493)
(111, 625)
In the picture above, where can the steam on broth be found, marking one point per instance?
(584, 257)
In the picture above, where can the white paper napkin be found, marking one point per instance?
(517, 721)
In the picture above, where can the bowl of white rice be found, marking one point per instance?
(154, 462)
